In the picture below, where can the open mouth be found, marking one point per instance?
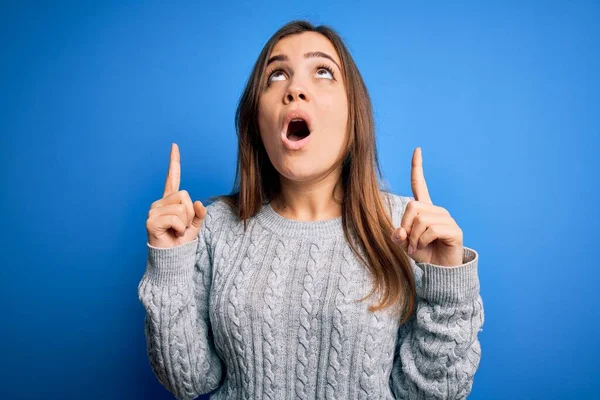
(297, 130)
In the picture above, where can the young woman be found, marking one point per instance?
(309, 281)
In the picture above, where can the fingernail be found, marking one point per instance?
(410, 249)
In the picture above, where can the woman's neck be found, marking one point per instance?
(309, 201)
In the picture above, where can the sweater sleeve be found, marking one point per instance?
(437, 350)
(175, 294)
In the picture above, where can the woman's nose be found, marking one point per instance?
(295, 92)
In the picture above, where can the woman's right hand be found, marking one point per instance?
(173, 220)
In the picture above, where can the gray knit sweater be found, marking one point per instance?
(270, 314)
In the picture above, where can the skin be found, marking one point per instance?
(308, 176)
(173, 219)
(428, 232)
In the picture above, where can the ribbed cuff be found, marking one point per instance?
(451, 285)
(171, 265)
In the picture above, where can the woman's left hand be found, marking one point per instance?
(427, 232)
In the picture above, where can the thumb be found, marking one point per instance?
(400, 237)
(200, 213)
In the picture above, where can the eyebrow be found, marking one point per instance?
(283, 57)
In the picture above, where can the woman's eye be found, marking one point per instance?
(323, 72)
(277, 76)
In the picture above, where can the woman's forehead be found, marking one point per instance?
(297, 45)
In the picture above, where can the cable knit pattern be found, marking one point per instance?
(271, 313)
(307, 333)
(235, 306)
(340, 338)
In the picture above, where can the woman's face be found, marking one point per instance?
(303, 75)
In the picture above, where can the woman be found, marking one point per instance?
(268, 292)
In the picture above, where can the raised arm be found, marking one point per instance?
(437, 351)
(174, 291)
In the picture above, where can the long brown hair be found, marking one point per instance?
(363, 214)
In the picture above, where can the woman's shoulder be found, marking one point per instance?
(220, 207)
(219, 218)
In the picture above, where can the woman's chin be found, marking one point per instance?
(300, 172)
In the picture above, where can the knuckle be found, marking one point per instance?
(150, 225)
(412, 239)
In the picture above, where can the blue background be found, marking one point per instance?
(502, 98)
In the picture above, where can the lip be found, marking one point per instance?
(297, 145)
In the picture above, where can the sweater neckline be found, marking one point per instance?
(280, 225)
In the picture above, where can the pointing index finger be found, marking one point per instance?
(174, 173)
(419, 187)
